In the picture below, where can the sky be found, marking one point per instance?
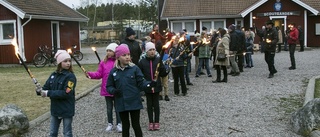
(77, 3)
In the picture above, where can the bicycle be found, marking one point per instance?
(77, 54)
(44, 56)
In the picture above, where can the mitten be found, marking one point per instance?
(44, 93)
(38, 89)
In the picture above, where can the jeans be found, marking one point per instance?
(110, 105)
(54, 126)
(249, 61)
(204, 61)
(188, 64)
(285, 45)
(292, 49)
(269, 58)
(135, 122)
(186, 74)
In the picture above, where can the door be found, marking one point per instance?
(55, 36)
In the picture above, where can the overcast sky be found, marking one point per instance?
(76, 3)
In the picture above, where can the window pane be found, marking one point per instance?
(189, 26)
(8, 32)
(218, 24)
(177, 27)
(206, 24)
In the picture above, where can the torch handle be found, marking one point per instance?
(97, 56)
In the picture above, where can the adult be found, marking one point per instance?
(241, 44)
(233, 50)
(292, 41)
(280, 40)
(157, 38)
(270, 42)
(135, 50)
(301, 38)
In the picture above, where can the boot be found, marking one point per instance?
(225, 76)
(218, 75)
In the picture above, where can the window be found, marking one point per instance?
(317, 28)
(188, 25)
(213, 24)
(7, 32)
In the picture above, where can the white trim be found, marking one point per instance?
(314, 11)
(183, 25)
(281, 17)
(212, 23)
(13, 8)
(305, 28)
(253, 7)
(251, 22)
(7, 41)
(58, 34)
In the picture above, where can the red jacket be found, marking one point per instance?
(293, 36)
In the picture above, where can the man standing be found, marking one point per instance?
(233, 50)
(157, 38)
(292, 41)
(241, 46)
(135, 50)
(301, 39)
(270, 41)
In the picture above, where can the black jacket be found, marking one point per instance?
(135, 50)
(271, 34)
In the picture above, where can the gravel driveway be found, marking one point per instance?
(248, 105)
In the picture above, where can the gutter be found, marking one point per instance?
(57, 18)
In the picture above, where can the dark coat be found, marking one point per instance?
(233, 41)
(271, 34)
(130, 81)
(177, 61)
(144, 65)
(135, 50)
(61, 90)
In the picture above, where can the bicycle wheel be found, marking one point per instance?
(78, 55)
(39, 61)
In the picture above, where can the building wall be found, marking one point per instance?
(69, 34)
(312, 38)
(7, 52)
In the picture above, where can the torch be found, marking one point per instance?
(14, 43)
(95, 51)
(82, 68)
(164, 47)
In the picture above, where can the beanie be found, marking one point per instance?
(61, 55)
(149, 46)
(112, 47)
(130, 32)
(122, 49)
(232, 27)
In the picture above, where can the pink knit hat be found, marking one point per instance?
(61, 55)
(122, 49)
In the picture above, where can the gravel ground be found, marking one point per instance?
(248, 103)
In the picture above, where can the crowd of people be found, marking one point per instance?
(132, 66)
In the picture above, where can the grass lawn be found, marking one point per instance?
(317, 89)
(18, 88)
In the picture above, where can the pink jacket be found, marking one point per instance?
(103, 72)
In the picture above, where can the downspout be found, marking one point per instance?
(251, 24)
(305, 28)
(21, 39)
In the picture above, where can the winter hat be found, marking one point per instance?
(112, 47)
(122, 49)
(269, 22)
(61, 55)
(149, 46)
(130, 32)
(232, 27)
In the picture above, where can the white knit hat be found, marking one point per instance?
(112, 46)
(61, 55)
(150, 45)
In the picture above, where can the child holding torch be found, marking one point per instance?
(60, 87)
(125, 82)
(148, 66)
(104, 68)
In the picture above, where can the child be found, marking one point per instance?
(60, 87)
(105, 67)
(148, 65)
(178, 56)
(125, 82)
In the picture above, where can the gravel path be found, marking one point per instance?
(249, 103)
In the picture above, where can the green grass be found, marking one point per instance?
(18, 88)
(317, 89)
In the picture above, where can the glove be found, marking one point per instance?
(117, 92)
(38, 89)
(44, 93)
(153, 84)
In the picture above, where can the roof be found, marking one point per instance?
(43, 9)
(200, 9)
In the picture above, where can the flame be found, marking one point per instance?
(15, 44)
(192, 43)
(268, 40)
(205, 41)
(166, 45)
(153, 32)
(181, 39)
(93, 48)
(69, 51)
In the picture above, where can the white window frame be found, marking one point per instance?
(184, 26)
(236, 20)
(280, 17)
(317, 28)
(7, 41)
(212, 23)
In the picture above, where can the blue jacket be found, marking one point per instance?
(61, 90)
(130, 81)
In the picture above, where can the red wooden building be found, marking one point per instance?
(34, 23)
(213, 14)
